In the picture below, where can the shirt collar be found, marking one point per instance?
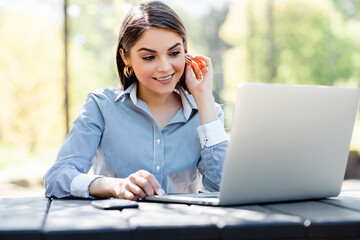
(122, 95)
(187, 100)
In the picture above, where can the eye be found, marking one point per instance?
(174, 54)
(148, 58)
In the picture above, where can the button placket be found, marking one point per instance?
(158, 155)
(159, 152)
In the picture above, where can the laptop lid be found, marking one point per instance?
(288, 142)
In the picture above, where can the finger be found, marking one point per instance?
(146, 186)
(156, 187)
(137, 185)
(130, 196)
(198, 60)
(188, 72)
(194, 59)
(196, 70)
(205, 71)
(134, 186)
(154, 184)
(203, 61)
(208, 63)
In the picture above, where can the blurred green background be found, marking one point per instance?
(280, 41)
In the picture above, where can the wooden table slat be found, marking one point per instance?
(253, 222)
(323, 220)
(22, 218)
(76, 218)
(349, 199)
(38, 218)
(159, 221)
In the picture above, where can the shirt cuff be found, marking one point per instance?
(211, 133)
(79, 186)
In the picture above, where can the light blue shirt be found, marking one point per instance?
(116, 134)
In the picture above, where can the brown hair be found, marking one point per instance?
(140, 18)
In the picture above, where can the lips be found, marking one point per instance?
(165, 78)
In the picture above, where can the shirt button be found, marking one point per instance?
(157, 168)
(158, 141)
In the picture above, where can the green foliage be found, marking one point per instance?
(30, 73)
(314, 42)
(93, 30)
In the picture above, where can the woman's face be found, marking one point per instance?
(158, 60)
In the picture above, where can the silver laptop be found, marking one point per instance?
(288, 142)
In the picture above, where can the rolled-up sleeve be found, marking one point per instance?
(80, 185)
(68, 175)
(211, 133)
(214, 142)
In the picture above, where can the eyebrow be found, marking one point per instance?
(149, 50)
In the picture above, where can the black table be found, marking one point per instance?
(42, 218)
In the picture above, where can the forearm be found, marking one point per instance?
(206, 107)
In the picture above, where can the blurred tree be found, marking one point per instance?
(30, 73)
(270, 38)
(204, 39)
(349, 59)
(297, 41)
(93, 29)
(350, 9)
(66, 66)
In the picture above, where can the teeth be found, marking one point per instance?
(164, 79)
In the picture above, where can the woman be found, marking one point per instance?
(152, 137)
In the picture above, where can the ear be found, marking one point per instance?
(124, 58)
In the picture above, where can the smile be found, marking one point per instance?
(165, 78)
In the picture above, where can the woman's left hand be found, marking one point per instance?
(198, 79)
(199, 75)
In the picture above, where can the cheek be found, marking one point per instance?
(179, 65)
(143, 71)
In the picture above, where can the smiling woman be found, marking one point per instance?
(161, 133)
(136, 22)
(158, 55)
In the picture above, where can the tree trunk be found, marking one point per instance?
(270, 36)
(250, 53)
(66, 75)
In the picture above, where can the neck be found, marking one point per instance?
(163, 107)
(154, 100)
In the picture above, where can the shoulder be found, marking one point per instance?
(106, 94)
(102, 98)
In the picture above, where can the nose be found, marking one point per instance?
(163, 65)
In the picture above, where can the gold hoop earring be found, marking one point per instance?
(128, 71)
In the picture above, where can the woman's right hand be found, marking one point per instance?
(137, 185)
